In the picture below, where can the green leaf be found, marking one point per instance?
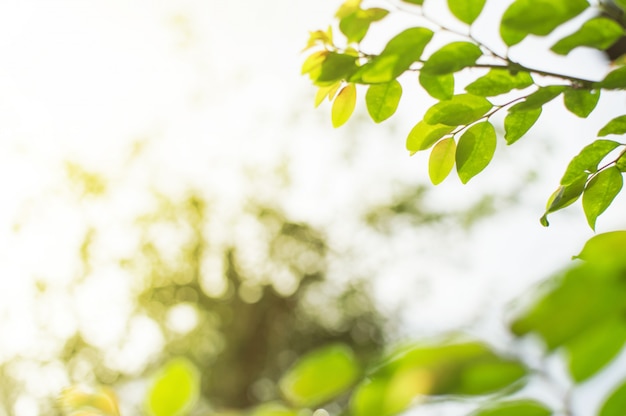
(600, 192)
(475, 150)
(615, 404)
(382, 100)
(424, 135)
(272, 409)
(466, 10)
(343, 106)
(452, 58)
(335, 67)
(488, 377)
(320, 376)
(347, 8)
(615, 126)
(581, 102)
(418, 2)
(595, 348)
(537, 17)
(356, 24)
(514, 408)
(605, 249)
(587, 160)
(175, 389)
(314, 61)
(441, 160)
(459, 110)
(540, 97)
(564, 196)
(599, 33)
(499, 81)
(440, 87)
(517, 123)
(401, 51)
(621, 162)
(615, 80)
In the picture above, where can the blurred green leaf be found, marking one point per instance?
(441, 160)
(499, 81)
(466, 10)
(489, 376)
(475, 150)
(615, 404)
(356, 24)
(418, 2)
(382, 100)
(621, 162)
(615, 80)
(343, 106)
(452, 58)
(273, 409)
(587, 160)
(540, 97)
(615, 126)
(399, 53)
(599, 33)
(537, 17)
(335, 67)
(600, 193)
(514, 408)
(605, 249)
(440, 87)
(581, 102)
(320, 376)
(424, 135)
(517, 124)
(459, 110)
(564, 196)
(175, 389)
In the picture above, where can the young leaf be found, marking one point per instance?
(440, 87)
(175, 389)
(347, 8)
(599, 33)
(615, 80)
(382, 100)
(324, 92)
(459, 110)
(517, 124)
(621, 162)
(499, 81)
(538, 17)
(401, 51)
(564, 196)
(587, 160)
(335, 67)
(356, 24)
(313, 61)
(475, 150)
(514, 408)
(466, 10)
(441, 160)
(424, 135)
(343, 106)
(580, 101)
(600, 192)
(595, 348)
(615, 126)
(615, 404)
(540, 97)
(452, 58)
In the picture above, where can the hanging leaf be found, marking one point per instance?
(320, 376)
(599, 33)
(540, 97)
(499, 81)
(424, 135)
(514, 408)
(401, 51)
(441, 160)
(335, 67)
(606, 249)
(587, 160)
(452, 58)
(475, 150)
(347, 8)
(615, 80)
(175, 390)
(343, 106)
(580, 101)
(615, 404)
(355, 25)
(517, 124)
(537, 17)
(313, 61)
(323, 92)
(382, 100)
(615, 126)
(460, 110)
(440, 87)
(600, 192)
(564, 196)
(466, 10)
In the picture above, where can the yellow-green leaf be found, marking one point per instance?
(466, 10)
(343, 106)
(615, 126)
(600, 192)
(382, 100)
(514, 408)
(499, 81)
(580, 101)
(615, 404)
(475, 150)
(564, 196)
(175, 389)
(441, 160)
(459, 110)
(517, 124)
(587, 160)
(615, 80)
(440, 87)
(452, 58)
(323, 92)
(424, 135)
(599, 33)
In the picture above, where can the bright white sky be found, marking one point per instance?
(206, 89)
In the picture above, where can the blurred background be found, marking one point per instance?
(170, 191)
